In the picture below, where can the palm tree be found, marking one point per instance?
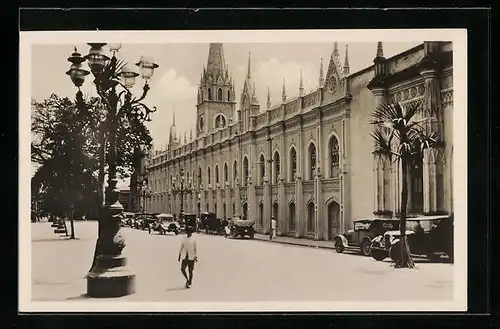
(399, 136)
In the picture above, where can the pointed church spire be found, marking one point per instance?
(253, 89)
(173, 122)
(216, 60)
(301, 85)
(268, 98)
(283, 95)
(335, 49)
(346, 62)
(380, 49)
(321, 78)
(185, 138)
(190, 134)
(249, 70)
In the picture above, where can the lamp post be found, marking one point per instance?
(270, 161)
(145, 194)
(181, 188)
(111, 277)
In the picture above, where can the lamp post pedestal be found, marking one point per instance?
(111, 276)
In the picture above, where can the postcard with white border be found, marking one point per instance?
(280, 170)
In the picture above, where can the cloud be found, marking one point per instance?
(271, 73)
(172, 92)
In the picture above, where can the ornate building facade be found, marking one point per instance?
(308, 161)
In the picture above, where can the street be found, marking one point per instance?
(230, 270)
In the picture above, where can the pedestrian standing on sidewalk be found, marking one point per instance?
(273, 228)
(187, 254)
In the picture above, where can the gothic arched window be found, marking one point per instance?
(293, 164)
(209, 94)
(235, 170)
(262, 166)
(245, 171)
(228, 95)
(277, 166)
(216, 174)
(200, 177)
(226, 174)
(334, 157)
(291, 216)
(219, 95)
(209, 181)
(312, 160)
(311, 222)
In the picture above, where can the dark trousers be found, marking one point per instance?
(190, 265)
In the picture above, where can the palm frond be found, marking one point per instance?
(382, 147)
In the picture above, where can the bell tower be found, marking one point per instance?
(216, 96)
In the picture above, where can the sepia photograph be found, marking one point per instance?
(308, 170)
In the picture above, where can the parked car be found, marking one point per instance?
(433, 239)
(241, 227)
(166, 223)
(362, 233)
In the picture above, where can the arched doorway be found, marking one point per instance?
(333, 211)
(245, 210)
(275, 211)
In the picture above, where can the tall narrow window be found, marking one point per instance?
(291, 216)
(262, 166)
(312, 160)
(226, 174)
(219, 95)
(334, 157)
(235, 170)
(209, 181)
(261, 215)
(293, 164)
(200, 177)
(245, 171)
(217, 122)
(311, 222)
(415, 177)
(277, 167)
(216, 174)
(228, 95)
(209, 94)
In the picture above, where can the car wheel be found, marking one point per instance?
(365, 247)
(339, 247)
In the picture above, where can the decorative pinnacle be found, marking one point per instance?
(335, 49)
(268, 97)
(321, 78)
(248, 73)
(284, 90)
(380, 49)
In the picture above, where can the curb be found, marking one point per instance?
(296, 244)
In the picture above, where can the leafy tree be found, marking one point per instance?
(66, 147)
(400, 136)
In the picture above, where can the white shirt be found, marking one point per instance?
(188, 248)
(273, 224)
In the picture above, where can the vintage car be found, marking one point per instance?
(188, 220)
(430, 236)
(241, 227)
(210, 223)
(166, 223)
(362, 233)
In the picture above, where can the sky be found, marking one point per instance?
(175, 82)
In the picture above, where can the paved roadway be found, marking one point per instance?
(231, 270)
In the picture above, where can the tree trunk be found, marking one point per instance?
(406, 259)
(72, 225)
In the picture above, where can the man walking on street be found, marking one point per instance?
(273, 228)
(188, 255)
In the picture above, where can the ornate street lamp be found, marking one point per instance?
(111, 277)
(181, 188)
(146, 194)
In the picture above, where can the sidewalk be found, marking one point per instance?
(296, 241)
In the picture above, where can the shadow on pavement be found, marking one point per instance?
(177, 288)
(61, 238)
(79, 297)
